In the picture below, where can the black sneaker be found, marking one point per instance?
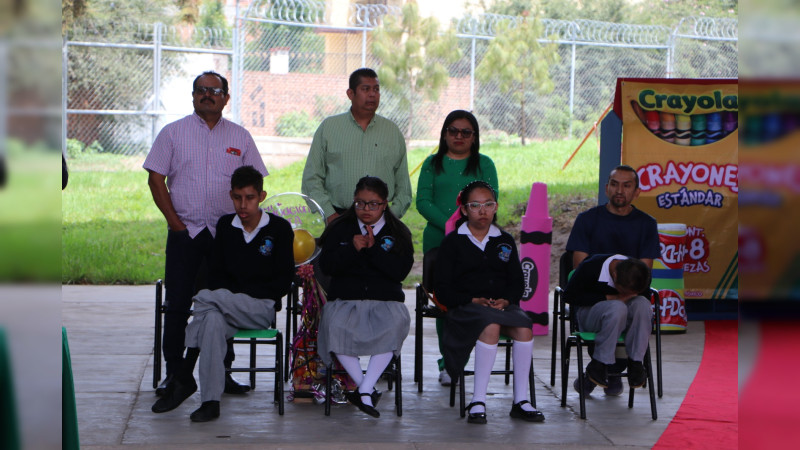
(598, 373)
(636, 374)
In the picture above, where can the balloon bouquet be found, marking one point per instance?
(308, 221)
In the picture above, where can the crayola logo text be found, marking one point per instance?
(651, 100)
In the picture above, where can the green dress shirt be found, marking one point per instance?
(342, 152)
(436, 193)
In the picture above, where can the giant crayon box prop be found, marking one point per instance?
(682, 138)
(769, 208)
(536, 236)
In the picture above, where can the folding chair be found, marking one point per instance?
(293, 309)
(507, 343)
(270, 336)
(425, 308)
(579, 339)
(392, 373)
(561, 314)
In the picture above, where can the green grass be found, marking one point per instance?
(113, 233)
(29, 218)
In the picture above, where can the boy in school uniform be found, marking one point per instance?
(251, 268)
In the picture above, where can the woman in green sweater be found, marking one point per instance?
(443, 175)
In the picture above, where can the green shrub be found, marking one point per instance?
(296, 124)
(74, 148)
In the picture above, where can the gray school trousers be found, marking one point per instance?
(216, 317)
(610, 318)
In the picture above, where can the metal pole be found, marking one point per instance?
(236, 70)
(364, 40)
(671, 54)
(572, 89)
(472, 76)
(156, 77)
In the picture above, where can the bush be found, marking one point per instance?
(296, 124)
(76, 148)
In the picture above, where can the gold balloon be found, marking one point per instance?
(304, 245)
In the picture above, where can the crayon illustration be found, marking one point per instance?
(683, 126)
(713, 127)
(653, 122)
(667, 126)
(698, 130)
(706, 128)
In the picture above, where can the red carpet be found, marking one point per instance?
(708, 416)
(769, 401)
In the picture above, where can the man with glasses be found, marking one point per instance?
(615, 227)
(354, 144)
(190, 166)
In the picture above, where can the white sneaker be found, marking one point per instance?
(444, 378)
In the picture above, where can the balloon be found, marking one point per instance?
(304, 246)
(306, 218)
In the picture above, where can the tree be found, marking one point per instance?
(519, 63)
(413, 57)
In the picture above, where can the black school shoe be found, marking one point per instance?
(636, 374)
(233, 387)
(529, 416)
(354, 397)
(162, 388)
(479, 418)
(176, 393)
(598, 373)
(376, 397)
(207, 411)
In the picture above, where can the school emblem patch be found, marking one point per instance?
(387, 242)
(266, 248)
(504, 252)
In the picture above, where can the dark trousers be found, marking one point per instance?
(185, 274)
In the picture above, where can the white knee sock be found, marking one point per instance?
(353, 367)
(377, 364)
(484, 361)
(521, 355)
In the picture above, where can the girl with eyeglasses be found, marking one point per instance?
(367, 252)
(457, 162)
(479, 279)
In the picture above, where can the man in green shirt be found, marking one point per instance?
(354, 144)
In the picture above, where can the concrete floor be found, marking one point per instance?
(110, 332)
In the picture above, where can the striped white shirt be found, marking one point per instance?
(198, 163)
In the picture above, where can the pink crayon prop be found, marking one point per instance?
(535, 238)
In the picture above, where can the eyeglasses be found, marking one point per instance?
(475, 206)
(465, 132)
(200, 90)
(369, 206)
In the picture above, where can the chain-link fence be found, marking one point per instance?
(289, 62)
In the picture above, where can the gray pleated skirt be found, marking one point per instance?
(362, 327)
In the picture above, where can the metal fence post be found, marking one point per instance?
(157, 27)
(364, 40)
(236, 68)
(572, 88)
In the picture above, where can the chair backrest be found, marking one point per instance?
(428, 263)
(564, 268)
